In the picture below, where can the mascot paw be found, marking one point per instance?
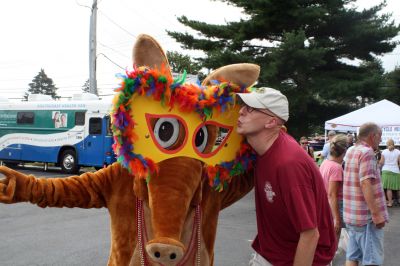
(7, 185)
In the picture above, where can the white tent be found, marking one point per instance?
(384, 113)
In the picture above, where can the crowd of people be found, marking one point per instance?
(356, 174)
(301, 206)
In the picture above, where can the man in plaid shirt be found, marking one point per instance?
(364, 211)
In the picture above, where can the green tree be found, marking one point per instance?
(85, 87)
(321, 54)
(41, 84)
(179, 62)
(391, 86)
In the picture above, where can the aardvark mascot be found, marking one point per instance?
(180, 161)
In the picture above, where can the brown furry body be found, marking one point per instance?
(112, 188)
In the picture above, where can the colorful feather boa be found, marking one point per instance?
(148, 82)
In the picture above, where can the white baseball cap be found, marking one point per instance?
(267, 98)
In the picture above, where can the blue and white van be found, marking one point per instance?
(70, 134)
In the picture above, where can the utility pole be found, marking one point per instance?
(93, 50)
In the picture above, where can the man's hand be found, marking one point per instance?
(374, 208)
(380, 225)
(338, 225)
(378, 220)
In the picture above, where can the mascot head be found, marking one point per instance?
(156, 117)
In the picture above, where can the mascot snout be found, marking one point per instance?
(165, 251)
(171, 196)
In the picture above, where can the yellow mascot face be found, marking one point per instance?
(164, 133)
(155, 117)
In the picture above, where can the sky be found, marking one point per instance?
(54, 35)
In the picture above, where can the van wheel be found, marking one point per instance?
(69, 165)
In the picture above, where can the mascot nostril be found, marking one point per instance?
(158, 255)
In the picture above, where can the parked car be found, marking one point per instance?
(316, 145)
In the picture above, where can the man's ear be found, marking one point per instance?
(371, 139)
(273, 122)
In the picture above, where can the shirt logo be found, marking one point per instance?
(269, 193)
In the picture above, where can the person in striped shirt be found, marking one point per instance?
(364, 212)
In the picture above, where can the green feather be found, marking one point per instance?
(181, 79)
(162, 79)
(163, 100)
(207, 112)
(128, 83)
(236, 170)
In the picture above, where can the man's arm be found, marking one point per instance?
(325, 150)
(381, 161)
(333, 189)
(377, 218)
(306, 247)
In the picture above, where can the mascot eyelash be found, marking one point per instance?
(206, 101)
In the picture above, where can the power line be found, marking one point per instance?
(116, 51)
(111, 60)
(147, 18)
(79, 4)
(116, 24)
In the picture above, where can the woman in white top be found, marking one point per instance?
(390, 160)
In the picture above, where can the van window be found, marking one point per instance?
(108, 123)
(79, 118)
(25, 117)
(95, 126)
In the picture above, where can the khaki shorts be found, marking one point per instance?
(258, 260)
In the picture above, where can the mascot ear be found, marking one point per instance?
(243, 75)
(147, 52)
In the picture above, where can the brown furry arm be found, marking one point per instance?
(88, 190)
(237, 188)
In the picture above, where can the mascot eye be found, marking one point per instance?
(201, 139)
(210, 137)
(166, 132)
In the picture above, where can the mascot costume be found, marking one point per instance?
(171, 180)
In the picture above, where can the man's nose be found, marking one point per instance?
(241, 111)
